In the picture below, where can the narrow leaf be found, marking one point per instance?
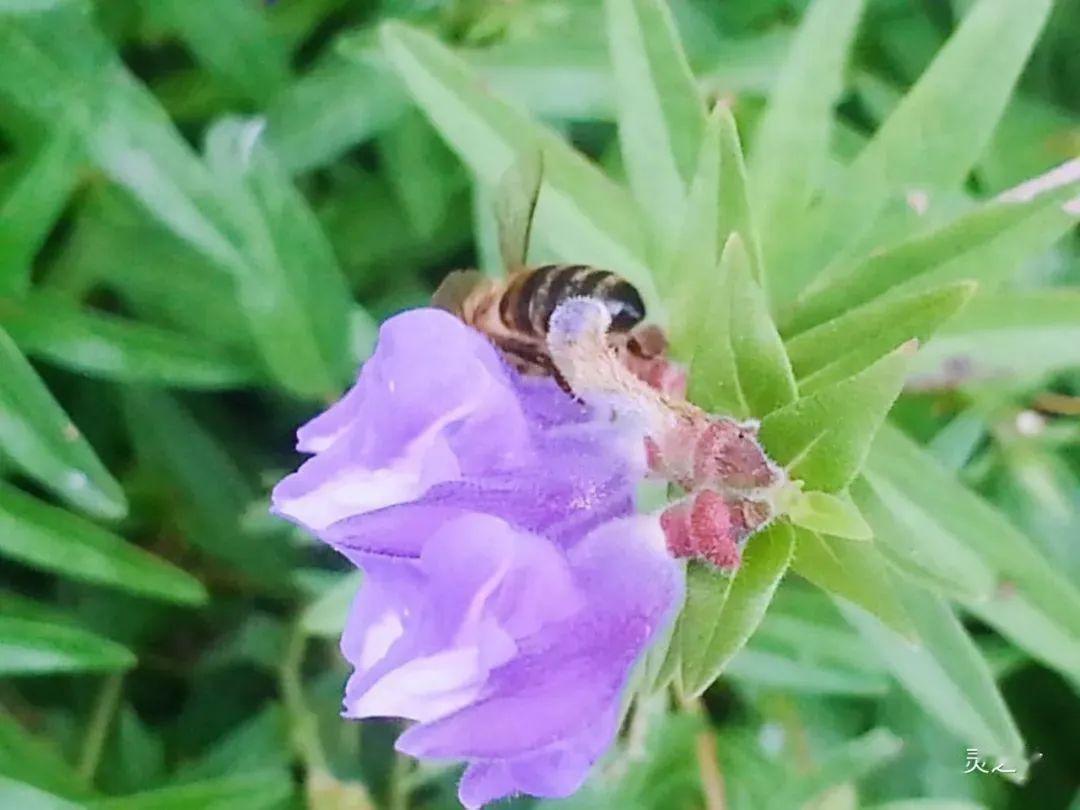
(41, 439)
(1035, 606)
(117, 348)
(823, 438)
(739, 363)
(735, 215)
(34, 761)
(939, 130)
(1014, 335)
(850, 342)
(912, 537)
(829, 514)
(722, 611)
(791, 144)
(946, 674)
(986, 244)
(582, 215)
(659, 110)
(45, 537)
(30, 206)
(233, 42)
(852, 569)
(38, 648)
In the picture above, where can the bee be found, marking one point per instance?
(515, 312)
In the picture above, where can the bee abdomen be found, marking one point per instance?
(531, 298)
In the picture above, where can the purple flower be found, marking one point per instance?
(510, 652)
(509, 587)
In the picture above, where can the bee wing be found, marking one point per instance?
(455, 288)
(515, 203)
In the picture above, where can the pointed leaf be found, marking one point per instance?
(791, 144)
(946, 674)
(852, 569)
(582, 215)
(38, 648)
(739, 364)
(43, 441)
(687, 279)
(986, 244)
(849, 343)
(829, 514)
(45, 537)
(913, 539)
(722, 611)
(1014, 335)
(112, 347)
(233, 42)
(735, 214)
(57, 66)
(939, 130)
(1035, 606)
(660, 112)
(31, 205)
(823, 438)
(34, 761)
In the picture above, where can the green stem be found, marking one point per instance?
(303, 725)
(104, 709)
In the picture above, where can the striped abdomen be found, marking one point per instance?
(532, 295)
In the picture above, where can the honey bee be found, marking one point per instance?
(515, 312)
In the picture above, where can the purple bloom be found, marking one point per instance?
(509, 587)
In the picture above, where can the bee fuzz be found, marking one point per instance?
(578, 345)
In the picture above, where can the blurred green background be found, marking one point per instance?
(207, 206)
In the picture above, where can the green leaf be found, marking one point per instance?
(660, 112)
(853, 569)
(1015, 335)
(843, 763)
(34, 761)
(44, 442)
(828, 514)
(337, 104)
(582, 216)
(38, 648)
(207, 492)
(986, 245)
(929, 804)
(1035, 606)
(233, 42)
(30, 206)
(722, 611)
(791, 143)
(292, 289)
(687, 277)
(101, 344)
(739, 364)
(804, 646)
(239, 212)
(939, 130)
(258, 790)
(823, 438)
(850, 342)
(325, 616)
(946, 674)
(49, 538)
(27, 797)
(735, 215)
(909, 534)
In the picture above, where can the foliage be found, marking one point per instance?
(205, 208)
